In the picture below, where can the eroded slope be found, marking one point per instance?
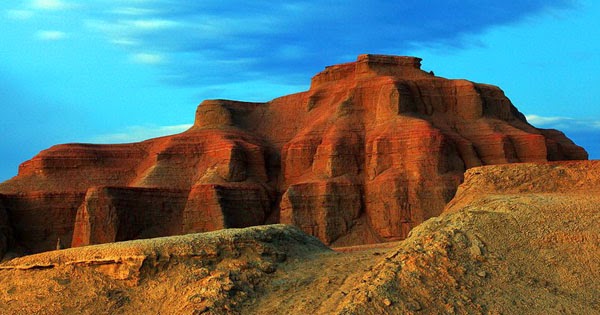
(216, 272)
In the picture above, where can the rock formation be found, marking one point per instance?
(372, 149)
(516, 239)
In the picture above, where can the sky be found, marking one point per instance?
(114, 71)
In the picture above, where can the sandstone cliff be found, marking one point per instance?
(371, 150)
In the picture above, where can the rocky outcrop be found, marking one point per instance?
(374, 148)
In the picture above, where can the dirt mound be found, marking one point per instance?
(214, 272)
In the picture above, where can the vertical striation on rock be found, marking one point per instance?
(112, 214)
(371, 150)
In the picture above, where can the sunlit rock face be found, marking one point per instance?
(371, 150)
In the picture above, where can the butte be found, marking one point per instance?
(371, 150)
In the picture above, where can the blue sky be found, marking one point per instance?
(107, 71)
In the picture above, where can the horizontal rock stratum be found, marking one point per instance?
(371, 150)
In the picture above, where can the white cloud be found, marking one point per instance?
(51, 35)
(133, 11)
(19, 14)
(131, 33)
(140, 133)
(148, 58)
(151, 24)
(543, 121)
(131, 26)
(125, 42)
(50, 4)
(563, 123)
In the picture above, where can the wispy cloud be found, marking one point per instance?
(132, 11)
(51, 35)
(150, 24)
(18, 14)
(584, 132)
(139, 133)
(563, 123)
(50, 4)
(200, 37)
(543, 121)
(124, 41)
(215, 42)
(148, 58)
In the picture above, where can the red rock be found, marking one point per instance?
(75, 167)
(112, 214)
(374, 148)
(232, 205)
(39, 219)
(325, 209)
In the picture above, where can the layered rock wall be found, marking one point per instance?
(39, 220)
(374, 148)
(217, 206)
(112, 214)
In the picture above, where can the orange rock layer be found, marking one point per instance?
(372, 149)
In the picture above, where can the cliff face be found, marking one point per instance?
(372, 149)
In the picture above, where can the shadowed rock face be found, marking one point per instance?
(374, 148)
(5, 230)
